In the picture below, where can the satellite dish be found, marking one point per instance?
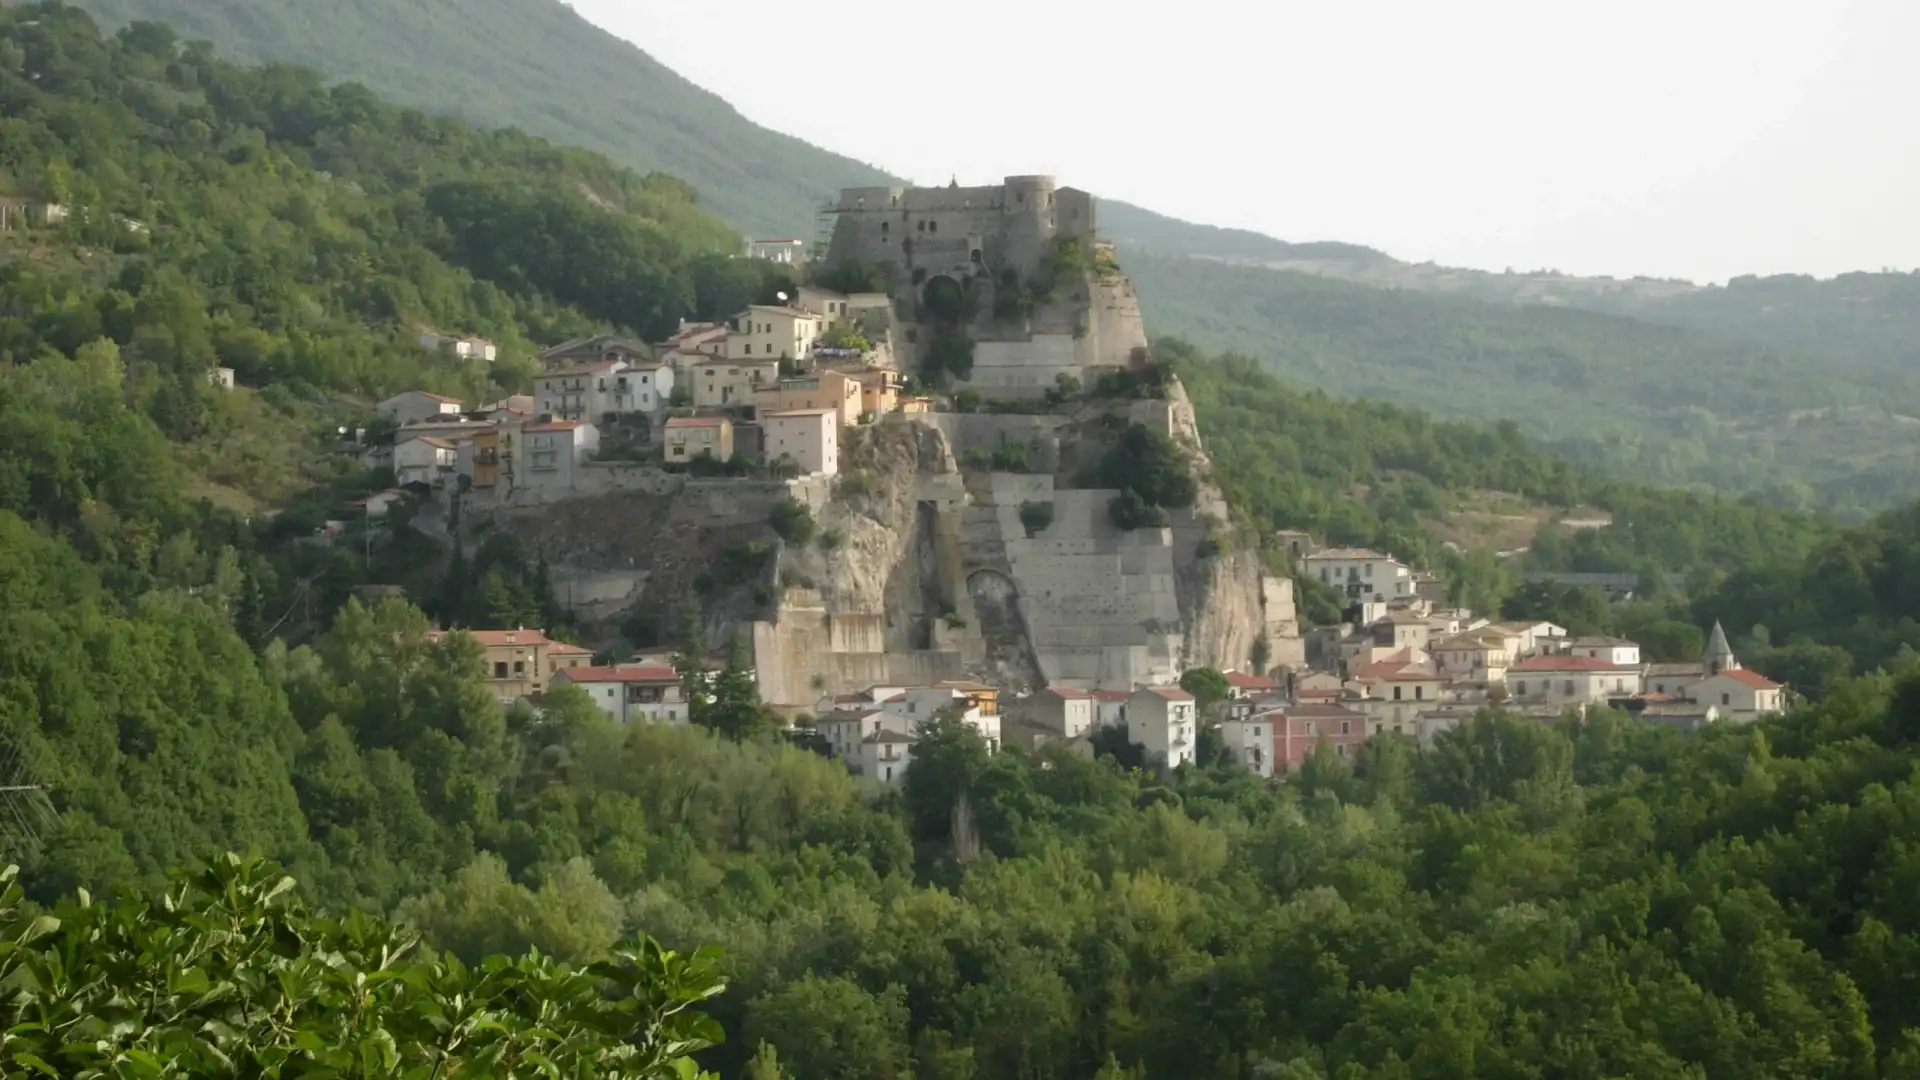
(782, 296)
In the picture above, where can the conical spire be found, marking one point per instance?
(1719, 655)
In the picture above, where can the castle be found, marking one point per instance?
(978, 259)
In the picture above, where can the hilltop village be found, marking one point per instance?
(988, 503)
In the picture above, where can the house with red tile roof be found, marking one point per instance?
(1571, 681)
(631, 693)
(520, 663)
(1062, 710)
(413, 406)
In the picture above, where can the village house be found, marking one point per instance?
(730, 384)
(1062, 709)
(1528, 638)
(784, 250)
(1392, 694)
(594, 350)
(1319, 687)
(1110, 707)
(631, 692)
(820, 390)
(693, 342)
(604, 389)
(1570, 681)
(885, 755)
(1250, 741)
(1402, 628)
(764, 332)
(1242, 685)
(460, 348)
(1299, 729)
(1611, 649)
(1161, 719)
(413, 406)
(221, 378)
(554, 451)
(810, 438)
(1359, 574)
(424, 459)
(1678, 680)
(842, 729)
(1475, 656)
(377, 504)
(879, 389)
(521, 663)
(688, 438)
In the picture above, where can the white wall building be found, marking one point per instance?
(607, 388)
(1161, 719)
(1359, 574)
(553, 452)
(1062, 709)
(632, 692)
(810, 437)
(885, 755)
(1250, 742)
(1611, 649)
(764, 332)
(423, 459)
(1570, 680)
(1110, 708)
(1740, 695)
(413, 406)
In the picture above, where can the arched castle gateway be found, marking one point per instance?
(991, 243)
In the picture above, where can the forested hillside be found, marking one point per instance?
(1597, 900)
(538, 66)
(1632, 398)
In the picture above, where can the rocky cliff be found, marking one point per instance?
(925, 563)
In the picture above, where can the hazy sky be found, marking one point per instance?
(1694, 138)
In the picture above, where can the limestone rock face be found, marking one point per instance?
(1013, 577)
(921, 570)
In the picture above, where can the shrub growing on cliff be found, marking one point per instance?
(1147, 462)
(792, 521)
(951, 355)
(1129, 511)
(1036, 516)
(831, 539)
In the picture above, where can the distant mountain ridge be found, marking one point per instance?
(1799, 389)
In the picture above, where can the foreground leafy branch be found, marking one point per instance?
(226, 974)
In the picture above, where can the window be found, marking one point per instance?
(883, 228)
(1346, 727)
(1520, 687)
(1341, 749)
(1309, 727)
(1419, 693)
(933, 226)
(1726, 699)
(747, 349)
(919, 226)
(519, 667)
(889, 772)
(500, 669)
(1566, 687)
(1396, 693)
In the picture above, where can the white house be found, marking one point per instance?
(809, 437)
(423, 459)
(1062, 709)
(462, 348)
(785, 250)
(693, 342)
(842, 729)
(553, 452)
(413, 406)
(1740, 695)
(377, 504)
(221, 378)
(632, 692)
(1161, 719)
(1571, 680)
(1611, 649)
(916, 705)
(1359, 574)
(1110, 708)
(1250, 742)
(764, 332)
(604, 388)
(885, 755)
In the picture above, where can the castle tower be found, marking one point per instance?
(1719, 655)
